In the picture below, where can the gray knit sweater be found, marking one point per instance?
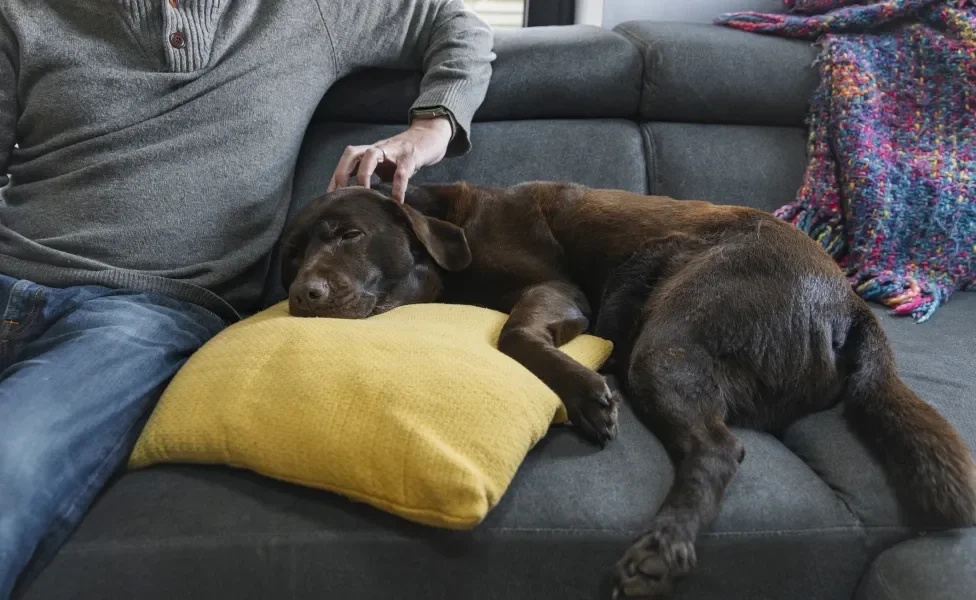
(156, 139)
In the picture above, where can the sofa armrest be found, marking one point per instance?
(712, 74)
(576, 71)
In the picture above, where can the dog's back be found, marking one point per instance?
(537, 231)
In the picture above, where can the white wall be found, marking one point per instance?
(589, 12)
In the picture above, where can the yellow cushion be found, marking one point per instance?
(414, 411)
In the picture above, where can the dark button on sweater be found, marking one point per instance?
(177, 39)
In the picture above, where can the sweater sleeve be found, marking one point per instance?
(8, 98)
(444, 39)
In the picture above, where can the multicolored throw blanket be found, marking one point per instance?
(890, 188)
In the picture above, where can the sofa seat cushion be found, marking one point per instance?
(934, 567)
(199, 532)
(711, 74)
(801, 525)
(937, 359)
(787, 522)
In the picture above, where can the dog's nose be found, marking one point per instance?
(316, 291)
(310, 294)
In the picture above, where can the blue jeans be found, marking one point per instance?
(80, 370)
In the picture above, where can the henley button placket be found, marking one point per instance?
(178, 40)
(186, 30)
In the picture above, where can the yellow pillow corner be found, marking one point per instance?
(414, 411)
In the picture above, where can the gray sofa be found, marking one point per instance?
(690, 111)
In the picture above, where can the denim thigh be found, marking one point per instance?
(80, 370)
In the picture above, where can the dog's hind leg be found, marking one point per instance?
(628, 287)
(673, 386)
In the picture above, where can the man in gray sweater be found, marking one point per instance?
(147, 150)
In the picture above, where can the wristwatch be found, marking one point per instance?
(432, 112)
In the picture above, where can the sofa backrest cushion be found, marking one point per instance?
(701, 73)
(747, 165)
(577, 71)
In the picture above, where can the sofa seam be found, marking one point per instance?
(81, 547)
(328, 34)
(650, 154)
(835, 492)
(647, 76)
(644, 47)
(883, 580)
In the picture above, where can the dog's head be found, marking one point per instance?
(355, 252)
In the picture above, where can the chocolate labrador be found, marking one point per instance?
(720, 315)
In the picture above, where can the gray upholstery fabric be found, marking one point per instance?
(599, 153)
(192, 532)
(595, 152)
(935, 567)
(710, 74)
(783, 532)
(539, 73)
(761, 167)
(938, 360)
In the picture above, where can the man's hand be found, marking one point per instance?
(423, 143)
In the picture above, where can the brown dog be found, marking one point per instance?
(720, 315)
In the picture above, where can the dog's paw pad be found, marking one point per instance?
(593, 411)
(648, 568)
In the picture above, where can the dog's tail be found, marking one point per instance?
(931, 467)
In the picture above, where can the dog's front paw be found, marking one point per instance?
(592, 407)
(649, 567)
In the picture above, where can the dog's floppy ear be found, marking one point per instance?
(445, 242)
(292, 251)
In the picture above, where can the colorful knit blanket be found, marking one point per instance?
(890, 188)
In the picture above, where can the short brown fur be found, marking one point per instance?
(720, 316)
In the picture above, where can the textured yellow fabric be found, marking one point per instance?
(414, 411)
